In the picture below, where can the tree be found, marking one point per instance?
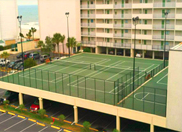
(56, 40)
(41, 45)
(115, 130)
(42, 112)
(29, 34)
(33, 30)
(5, 55)
(86, 126)
(5, 103)
(21, 107)
(29, 63)
(71, 43)
(61, 118)
(49, 47)
(62, 41)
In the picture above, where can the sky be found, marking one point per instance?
(27, 2)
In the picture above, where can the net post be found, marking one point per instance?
(29, 78)
(62, 83)
(35, 78)
(104, 90)
(42, 78)
(85, 87)
(69, 85)
(55, 82)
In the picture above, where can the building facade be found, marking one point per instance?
(107, 25)
(8, 20)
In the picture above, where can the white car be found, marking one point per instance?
(3, 62)
(138, 55)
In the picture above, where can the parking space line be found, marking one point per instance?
(43, 129)
(2, 114)
(95, 120)
(55, 113)
(7, 119)
(28, 127)
(14, 125)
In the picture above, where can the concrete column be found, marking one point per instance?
(40, 103)
(91, 50)
(143, 54)
(118, 123)
(107, 50)
(20, 98)
(115, 51)
(132, 53)
(124, 52)
(75, 114)
(153, 55)
(76, 49)
(96, 50)
(151, 128)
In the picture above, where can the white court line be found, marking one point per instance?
(28, 127)
(7, 119)
(43, 129)
(148, 101)
(14, 125)
(145, 96)
(2, 114)
(163, 83)
(161, 78)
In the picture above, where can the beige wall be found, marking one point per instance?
(27, 46)
(52, 18)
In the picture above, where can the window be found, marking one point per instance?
(92, 20)
(145, 32)
(115, 22)
(167, 32)
(92, 29)
(126, 41)
(107, 30)
(126, 21)
(145, 11)
(168, 0)
(126, 31)
(167, 43)
(144, 42)
(115, 3)
(115, 12)
(107, 39)
(141, 1)
(91, 12)
(145, 21)
(168, 10)
(92, 2)
(167, 21)
(126, 11)
(115, 32)
(139, 41)
(115, 41)
(107, 11)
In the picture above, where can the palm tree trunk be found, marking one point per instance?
(58, 50)
(63, 48)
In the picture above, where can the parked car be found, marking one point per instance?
(11, 96)
(34, 56)
(13, 63)
(3, 62)
(35, 106)
(138, 55)
(18, 65)
(44, 57)
(26, 55)
(21, 68)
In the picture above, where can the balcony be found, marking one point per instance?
(122, 16)
(122, 25)
(142, 5)
(113, 45)
(142, 36)
(143, 16)
(122, 45)
(88, 43)
(87, 6)
(178, 4)
(162, 27)
(104, 16)
(167, 4)
(104, 25)
(142, 46)
(178, 16)
(178, 27)
(161, 48)
(88, 34)
(143, 26)
(162, 16)
(87, 16)
(122, 6)
(104, 6)
(178, 38)
(122, 35)
(110, 35)
(88, 25)
(162, 37)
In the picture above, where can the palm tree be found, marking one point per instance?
(62, 41)
(41, 45)
(29, 34)
(33, 30)
(5, 55)
(57, 39)
(48, 47)
(71, 43)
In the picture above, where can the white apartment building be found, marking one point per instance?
(8, 20)
(108, 25)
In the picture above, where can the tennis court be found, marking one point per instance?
(90, 76)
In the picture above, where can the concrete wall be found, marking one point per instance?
(27, 46)
(52, 18)
(8, 19)
(174, 95)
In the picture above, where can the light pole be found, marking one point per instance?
(19, 20)
(67, 15)
(165, 13)
(135, 22)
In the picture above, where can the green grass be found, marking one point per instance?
(99, 80)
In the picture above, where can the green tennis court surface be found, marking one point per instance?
(100, 78)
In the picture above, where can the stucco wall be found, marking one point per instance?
(52, 18)
(27, 46)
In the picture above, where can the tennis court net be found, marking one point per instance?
(72, 64)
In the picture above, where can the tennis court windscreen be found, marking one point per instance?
(72, 64)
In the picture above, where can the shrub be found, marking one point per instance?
(21, 107)
(7, 47)
(29, 63)
(86, 49)
(115, 130)
(1, 48)
(5, 103)
(86, 126)
(61, 118)
(42, 113)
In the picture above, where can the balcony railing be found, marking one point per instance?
(122, 25)
(87, 6)
(159, 27)
(166, 4)
(87, 15)
(88, 33)
(119, 16)
(121, 45)
(159, 47)
(113, 45)
(162, 16)
(122, 6)
(88, 24)
(88, 43)
(122, 35)
(159, 37)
